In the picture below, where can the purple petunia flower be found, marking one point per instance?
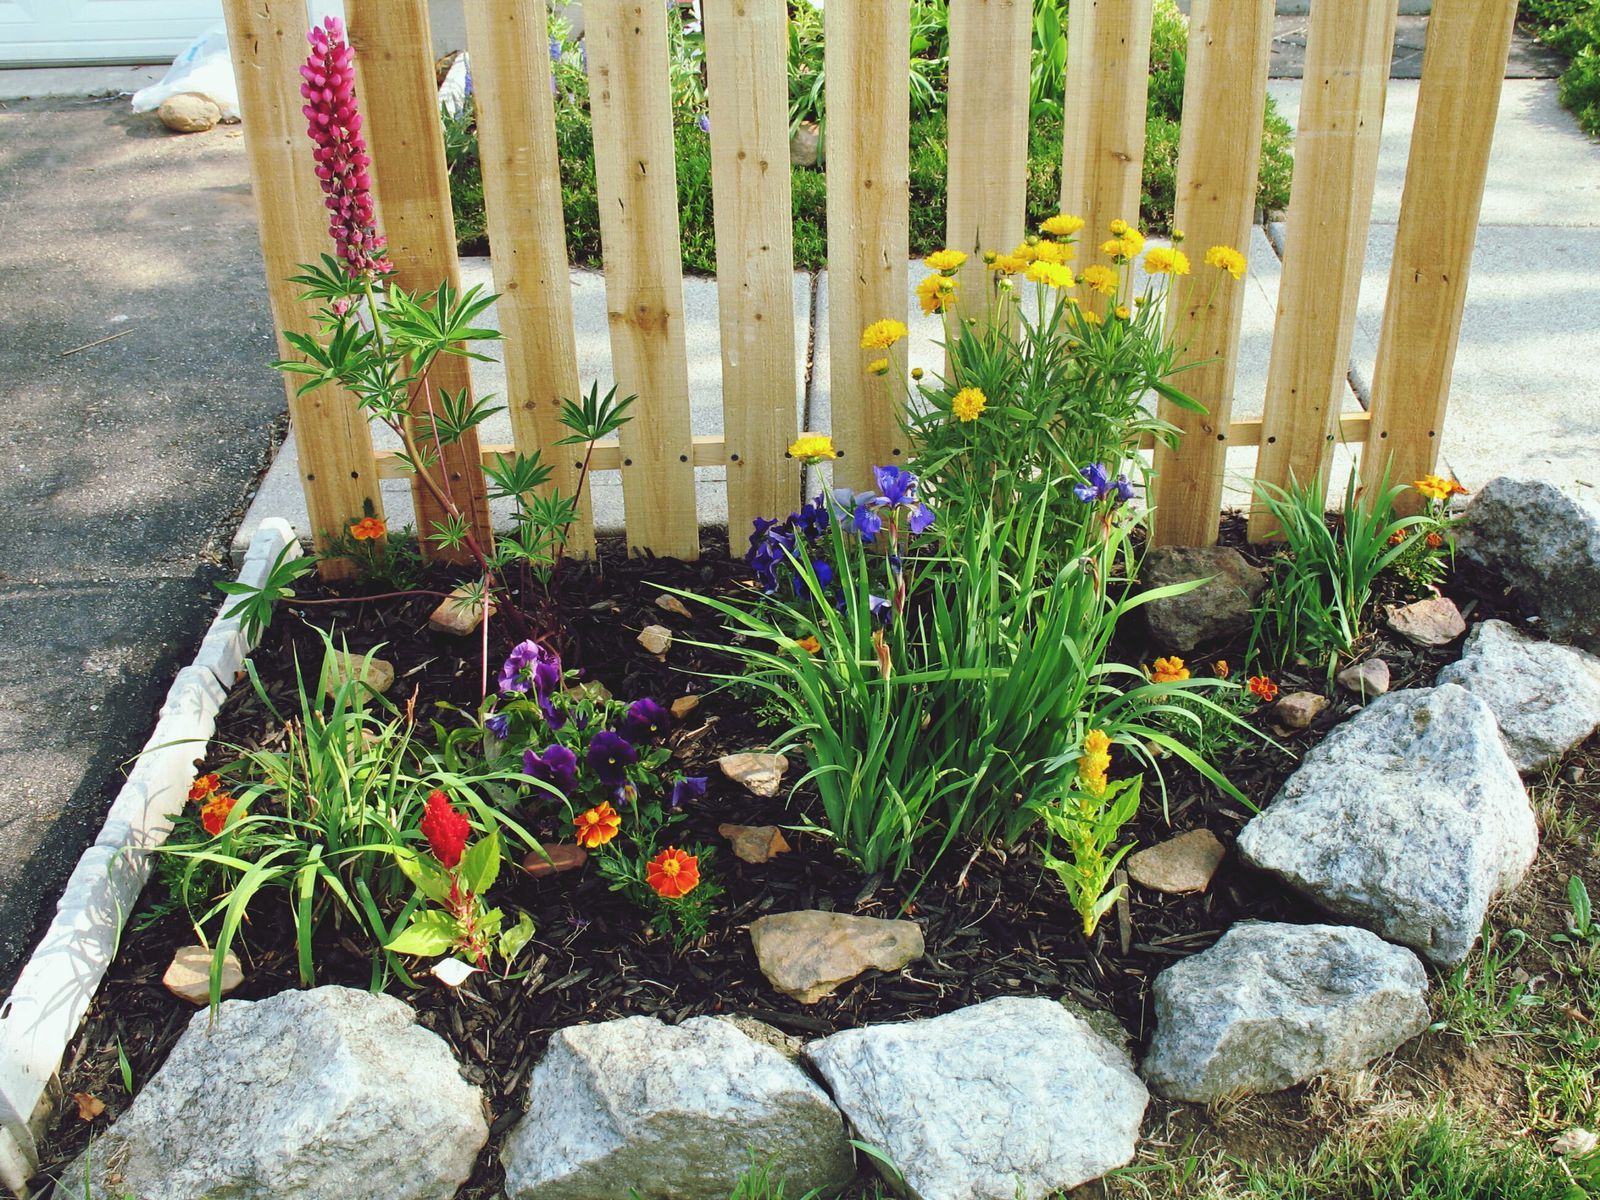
(609, 757)
(691, 787)
(645, 721)
(531, 663)
(498, 724)
(557, 766)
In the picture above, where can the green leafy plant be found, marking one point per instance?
(256, 603)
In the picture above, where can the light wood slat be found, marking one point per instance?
(990, 48)
(637, 183)
(1103, 114)
(337, 467)
(867, 56)
(1462, 67)
(511, 72)
(1330, 205)
(400, 107)
(747, 65)
(1225, 98)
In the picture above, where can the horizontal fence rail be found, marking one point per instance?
(867, 146)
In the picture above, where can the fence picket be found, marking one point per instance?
(1330, 206)
(1462, 67)
(1219, 154)
(636, 178)
(400, 107)
(337, 468)
(866, 57)
(746, 62)
(509, 42)
(990, 48)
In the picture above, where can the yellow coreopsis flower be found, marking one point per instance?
(945, 261)
(1226, 258)
(1100, 278)
(968, 405)
(1091, 317)
(1062, 225)
(1054, 252)
(878, 366)
(813, 448)
(1026, 251)
(1123, 311)
(1119, 227)
(936, 293)
(1051, 275)
(1008, 264)
(880, 335)
(1164, 261)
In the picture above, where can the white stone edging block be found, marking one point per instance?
(59, 980)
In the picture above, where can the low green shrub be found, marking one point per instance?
(1571, 27)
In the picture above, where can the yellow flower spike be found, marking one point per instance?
(1226, 258)
(968, 405)
(945, 261)
(1164, 261)
(1100, 278)
(878, 366)
(813, 448)
(1062, 225)
(880, 335)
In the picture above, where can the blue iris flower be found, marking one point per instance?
(498, 724)
(867, 522)
(1098, 486)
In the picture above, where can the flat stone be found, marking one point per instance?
(1272, 1005)
(1435, 621)
(670, 1112)
(1546, 543)
(340, 666)
(1576, 1141)
(761, 773)
(1012, 1099)
(1546, 697)
(1297, 710)
(330, 1092)
(458, 614)
(1179, 865)
(188, 976)
(683, 706)
(1367, 678)
(811, 954)
(562, 857)
(1409, 818)
(670, 603)
(1216, 610)
(189, 112)
(657, 639)
(755, 843)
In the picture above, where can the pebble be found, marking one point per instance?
(761, 773)
(189, 975)
(755, 843)
(1297, 710)
(1435, 621)
(563, 857)
(1575, 1142)
(1366, 679)
(376, 673)
(1180, 865)
(683, 706)
(458, 613)
(673, 605)
(657, 639)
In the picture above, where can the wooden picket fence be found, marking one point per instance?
(1336, 153)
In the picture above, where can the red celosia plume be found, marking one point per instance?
(446, 830)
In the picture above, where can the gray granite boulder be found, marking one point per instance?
(328, 1094)
(670, 1112)
(1212, 612)
(1546, 697)
(1012, 1099)
(1271, 1005)
(1409, 818)
(1546, 543)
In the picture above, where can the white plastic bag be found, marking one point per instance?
(206, 67)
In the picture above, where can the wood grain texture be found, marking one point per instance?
(1330, 205)
(509, 42)
(400, 107)
(866, 57)
(636, 178)
(1219, 153)
(1108, 78)
(337, 467)
(990, 48)
(746, 62)
(1462, 67)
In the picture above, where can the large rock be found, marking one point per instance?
(671, 1113)
(810, 954)
(1272, 1005)
(1546, 697)
(328, 1094)
(189, 112)
(1547, 544)
(1011, 1099)
(1212, 612)
(1409, 818)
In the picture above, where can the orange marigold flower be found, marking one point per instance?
(203, 787)
(367, 529)
(597, 826)
(1220, 668)
(1434, 540)
(215, 813)
(1397, 537)
(809, 644)
(673, 873)
(1264, 688)
(1168, 670)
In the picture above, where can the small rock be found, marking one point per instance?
(755, 843)
(785, 1044)
(957, 1102)
(805, 144)
(563, 857)
(1212, 612)
(189, 975)
(1574, 774)
(761, 773)
(810, 954)
(459, 613)
(673, 1111)
(1182, 864)
(671, 604)
(1435, 621)
(683, 706)
(1575, 1142)
(189, 112)
(376, 673)
(1366, 679)
(1546, 697)
(657, 639)
(1271, 1005)
(1297, 710)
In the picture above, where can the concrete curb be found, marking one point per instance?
(54, 990)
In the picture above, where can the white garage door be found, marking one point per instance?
(100, 31)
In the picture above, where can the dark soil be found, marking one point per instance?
(995, 922)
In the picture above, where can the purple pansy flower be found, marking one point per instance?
(557, 766)
(531, 663)
(691, 787)
(609, 757)
(1098, 485)
(645, 721)
(704, 123)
